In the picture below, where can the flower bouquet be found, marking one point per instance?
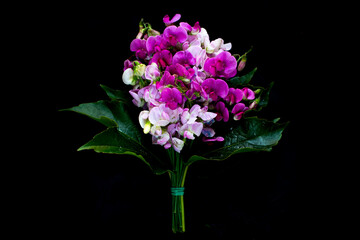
(181, 102)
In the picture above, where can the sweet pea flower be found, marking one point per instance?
(163, 58)
(184, 58)
(128, 64)
(222, 112)
(138, 95)
(217, 45)
(156, 44)
(166, 79)
(162, 116)
(161, 139)
(234, 96)
(175, 34)
(151, 95)
(177, 144)
(171, 97)
(248, 93)
(167, 21)
(152, 72)
(188, 130)
(144, 121)
(192, 30)
(223, 65)
(139, 47)
(239, 110)
(215, 88)
(128, 77)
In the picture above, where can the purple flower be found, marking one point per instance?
(167, 79)
(156, 44)
(163, 58)
(223, 65)
(222, 112)
(239, 110)
(234, 96)
(215, 88)
(167, 20)
(128, 64)
(184, 58)
(139, 47)
(248, 93)
(172, 98)
(174, 34)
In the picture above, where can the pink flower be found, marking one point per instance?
(223, 65)
(171, 97)
(234, 95)
(248, 93)
(188, 130)
(163, 58)
(222, 112)
(167, 79)
(215, 88)
(139, 47)
(175, 34)
(239, 110)
(184, 58)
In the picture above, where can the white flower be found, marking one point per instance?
(128, 77)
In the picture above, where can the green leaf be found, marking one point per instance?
(116, 94)
(252, 134)
(264, 98)
(243, 80)
(111, 114)
(115, 142)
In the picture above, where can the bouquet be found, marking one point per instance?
(181, 102)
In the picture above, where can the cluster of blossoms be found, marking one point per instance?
(179, 80)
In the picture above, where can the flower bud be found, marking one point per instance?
(139, 70)
(242, 64)
(147, 127)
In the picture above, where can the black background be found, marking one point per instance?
(249, 196)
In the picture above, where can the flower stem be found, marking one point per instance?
(177, 178)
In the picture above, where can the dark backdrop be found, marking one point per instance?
(249, 196)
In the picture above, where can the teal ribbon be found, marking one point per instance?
(177, 191)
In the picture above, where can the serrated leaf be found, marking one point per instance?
(252, 134)
(111, 114)
(115, 142)
(237, 82)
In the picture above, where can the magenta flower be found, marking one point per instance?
(156, 44)
(163, 58)
(171, 97)
(239, 110)
(234, 96)
(193, 30)
(167, 20)
(167, 79)
(248, 93)
(215, 88)
(223, 65)
(139, 47)
(175, 34)
(222, 112)
(184, 58)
